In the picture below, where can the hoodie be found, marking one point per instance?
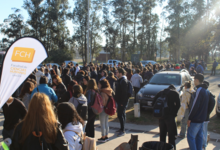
(71, 134)
(80, 100)
(136, 80)
(105, 93)
(185, 101)
(199, 108)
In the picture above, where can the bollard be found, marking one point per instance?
(137, 113)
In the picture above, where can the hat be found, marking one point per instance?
(177, 64)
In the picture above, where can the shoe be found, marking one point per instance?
(122, 133)
(102, 140)
(107, 139)
(118, 131)
(181, 136)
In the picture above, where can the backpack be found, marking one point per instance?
(211, 102)
(160, 109)
(110, 107)
(130, 88)
(97, 107)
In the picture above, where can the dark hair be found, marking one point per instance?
(122, 71)
(92, 85)
(43, 80)
(111, 74)
(188, 84)
(172, 86)
(87, 78)
(77, 91)
(46, 70)
(71, 84)
(104, 83)
(105, 73)
(200, 77)
(28, 87)
(52, 73)
(67, 113)
(66, 70)
(59, 80)
(206, 83)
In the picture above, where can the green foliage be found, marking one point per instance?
(59, 56)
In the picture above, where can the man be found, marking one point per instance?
(14, 111)
(192, 65)
(85, 67)
(65, 77)
(200, 69)
(215, 64)
(62, 67)
(167, 123)
(77, 69)
(121, 98)
(136, 81)
(198, 114)
(43, 88)
(211, 106)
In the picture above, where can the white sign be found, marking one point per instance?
(23, 56)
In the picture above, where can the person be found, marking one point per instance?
(85, 83)
(192, 65)
(121, 98)
(177, 66)
(44, 88)
(105, 91)
(77, 69)
(112, 80)
(214, 65)
(200, 69)
(184, 109)
(14, 111)
(80, 103)
(48, 76)
(155, 68)
(211, 106)
(192, 71)
(104, 74)
(149, 74)
(39, 73)
(69, 93)
(79, 76)
(94, 73)
(129, 74)
(39, 129)
(52, 73)
(33, 76)
(136, 81)
(167, 123)
(62, 67)
(26, 91)
(58, 86)
(55, 68)
(91, 91)
(72, 125)
(198, 114)
(65, 77)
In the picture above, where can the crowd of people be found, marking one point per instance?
(54, 106)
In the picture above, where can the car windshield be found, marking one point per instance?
(165, 79)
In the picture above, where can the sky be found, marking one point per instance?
(7, 5)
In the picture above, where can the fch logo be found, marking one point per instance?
(22, 54)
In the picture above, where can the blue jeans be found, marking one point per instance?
(195, 136)
(184, 123)
(104, 123)
(205, 133)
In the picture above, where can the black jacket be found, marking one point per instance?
(65, 97)
(13, 113)
(60, 90)
(32, 142)
(111, 81)
(173, 101)
(121, 94)
(90, 95)
(66, 80)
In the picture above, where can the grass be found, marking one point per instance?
(147, 118)
(209, 67)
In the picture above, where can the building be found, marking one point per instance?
(103, 56)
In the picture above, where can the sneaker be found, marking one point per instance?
(122, 133)
(118, 131)
(181, 136)
(102, 140)
(107, 139)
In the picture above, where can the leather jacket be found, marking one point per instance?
(32, 142)
(90, 95)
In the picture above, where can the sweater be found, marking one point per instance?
(105, 93)
(43, 88)
(13, 113)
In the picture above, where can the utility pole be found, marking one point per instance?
(88, 58)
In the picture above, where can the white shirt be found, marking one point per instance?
(77, 70)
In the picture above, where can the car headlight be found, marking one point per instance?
(140, 95)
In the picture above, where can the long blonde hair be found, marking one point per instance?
(40, 118)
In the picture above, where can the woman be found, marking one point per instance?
(104, 74)
(26, 91)
(155, 68)
(112, 80)
(85, 83)
(52, 73)
(40, 128)
(80, 103)
(69, 94)
(56, 70)
(91, 91)
(39, 73)
(58, 86)
(72, 124)
(105, 91)
(184, 109)
(129, 74)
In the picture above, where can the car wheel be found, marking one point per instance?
(218, 114)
